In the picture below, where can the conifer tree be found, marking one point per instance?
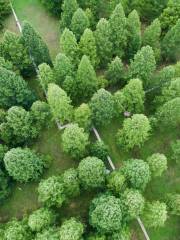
(45, 75)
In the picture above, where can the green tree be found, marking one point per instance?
(3, 151)
(35, 45)
(133, 34)
(99, 150)
(152, 36)
(23, 165)
(91, 172)
(102, 106)
(6, 64)
(116, 182)
(137, 173)
(50, 233)
(105, 214)
(103, 42)
(60, 103)
(75, 141)
(143, 65)
(130, 136)
(41, 219)
(14, 90)
(118, 32)
(157, 164)
(96, 237)
(175, 150)
(86, 80)
(155, 214)
(45, 76)
(173, 203)
(71, 229)
(4, 186)
(130, 98)
(123, 234)
(51, 192)
(71, 182)
(79, 23)
(5, 10)
(87, 46)
(54, 6)
(83, 116)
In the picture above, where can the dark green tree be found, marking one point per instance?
(173, 203)
(54, 6)
(100, 150)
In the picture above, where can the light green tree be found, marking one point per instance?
(71, 182)
(116, 182)
(45, 75)
(157, 163)
(173, 203)
(83, 116)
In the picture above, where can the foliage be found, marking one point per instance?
(116, 182)
(71, 183)
(50, 233)
(5, 10)
(71, 229)
(99, 150)
(83, 116)
(155, 214)
(137, 173)
(6, 64)
(130, 136)
(14, 90)
(143, 65)
(41, 219)
(96, 237)
(173, 203)
(35, 45)
(157, 164)
(102, 106)
(51, 192)
(106, 214)
(175, 149)
(4, 186)
(91, 172)
(103, 42)
(133, 34)
(45, 75)
(23, 164)
(123, 234)
(54, 6)
(3, 151)
(118, 32)
(75, 141)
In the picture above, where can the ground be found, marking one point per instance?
(24, 196)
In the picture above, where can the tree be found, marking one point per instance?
(41, 219)
(137, 173)
(54, 6)
(96, 237)
(4, 186)
(175, 150)
(155, 214)
(171, 43)
(86, 80)
(45, 76)
(133, 34)
(118, 32)
(60, 103)
(6, 64)
(152, 36)
(130, 136)
(173, 203)
(102, 106)
(99, 150)
(14, 90)
(123, 234)
(130, 98)
(115, 72)
(35, 45)
(105, 214)
(50, 233)
(116, 182)
(87, 46)
(23, 165)
(157, 163)
(79, 23)
(51, 192)
(71, 182)
(69, 46)
(133, 203)
(83, 116)
(143, 65)
(71, 229)
(75, 141)
(62, 68)
(103, 42)
(91, 172)
(3, 151)
(5, 10)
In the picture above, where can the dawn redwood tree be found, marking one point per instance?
(41, 219)
(116, 182)
(87, 46)
(35, 45)
(45, 75)
(83, 116)
(6, 64)
(14, 90)
(102, 106)
(91, 173)
(157, 164)
(131, 98)
(137, 172)
(49, 233)
(71, 229)
(173, 203)
(103, 42)
(118, 31)
(151, 37)
(23, 165)
(143, 65)
(86, 80)
(71, 183)
(60, 103)
(51, 192)
(79, 23)
(130, 136)
(75, 141)
(155, 214)
(133, 34)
